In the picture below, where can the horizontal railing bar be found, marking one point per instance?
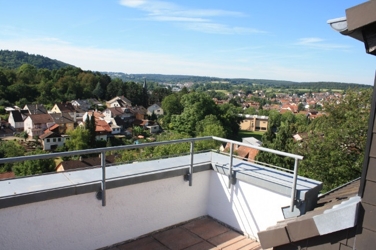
(98, 150)
(137, 146)
(299, 157)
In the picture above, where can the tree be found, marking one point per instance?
(32, 167)
(334, 151)
(79, 138)
(171, 106)
(137, 130)
(196, 107)
(99, 91)
(301, 107)
(230, 119)
(9, 149)
(153, 116)
(159, 94)
(90, 126)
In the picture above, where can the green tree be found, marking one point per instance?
(171, 106)
(99, 91)
(196, 107)
(301, 107)
(90, 127)
(334, 151)
(9, 149)
(137, 130)
(32, 167)
(79, 138)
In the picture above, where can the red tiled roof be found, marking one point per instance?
(53, 127)
(85, 162)
(102, 126)
(7, 175)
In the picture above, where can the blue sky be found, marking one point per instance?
(262, 39)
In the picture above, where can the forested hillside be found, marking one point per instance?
(215, 83)
(14, 59)
(28, 84)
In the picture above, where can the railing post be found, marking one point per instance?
(293, 188)
(230, 176)
(191, 167)
(103, 165)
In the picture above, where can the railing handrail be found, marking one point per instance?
(142, 145)
(103, 150)
(98, 150)
(277, 152)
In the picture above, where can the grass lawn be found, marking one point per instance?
(246, 133)
(222, 90)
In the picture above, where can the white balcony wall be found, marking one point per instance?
(80, 221)
(245, 207)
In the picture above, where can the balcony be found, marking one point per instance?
(100, 207)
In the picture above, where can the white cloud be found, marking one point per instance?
(216, 28)
(194, 19)
(319, 43)
(132, 3)
(127, 61)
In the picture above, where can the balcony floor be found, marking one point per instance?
(202, 233)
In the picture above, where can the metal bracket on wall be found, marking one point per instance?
(187, 177)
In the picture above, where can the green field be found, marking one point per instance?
(245, 133)
(222, 90)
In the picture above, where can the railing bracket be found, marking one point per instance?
(186, 177)
(99, 195)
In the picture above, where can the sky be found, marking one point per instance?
(257, 39)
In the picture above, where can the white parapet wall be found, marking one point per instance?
(80, 221)
(245, 207)
(135, 206)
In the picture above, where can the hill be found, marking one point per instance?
(14, 59)
(229, 83)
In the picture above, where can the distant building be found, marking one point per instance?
(254, 123)
(156, 109)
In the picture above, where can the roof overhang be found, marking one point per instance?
(359, 23)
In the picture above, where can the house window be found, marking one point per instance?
(54, 139)
(48, 140)
(59, 139)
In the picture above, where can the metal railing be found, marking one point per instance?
(103, 151)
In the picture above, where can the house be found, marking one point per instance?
(254, 123)
(34, 125)
(97, 115)
(35, 109)
(152, 126)
(16, 119)
(156, 109)
(139, 112)
(291, 107)
(86, 104)
(65, 108)
(51, 139)
(115, 127)
(65, 121)
(102, 128)
(119, 101)
(84, 163)
(122, 113)
(243, 152)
